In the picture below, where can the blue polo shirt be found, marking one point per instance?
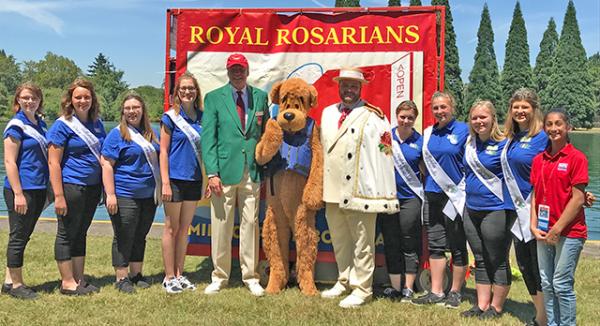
(133, 175)
(411, 149)
(479, 197)
(183, 164)
(520, 154)
(31, 162)
(447, 145)
(79, 165)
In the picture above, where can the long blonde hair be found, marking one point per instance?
(147, 131)
(495, 133)
(511, 127)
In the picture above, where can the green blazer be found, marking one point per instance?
(226, 148)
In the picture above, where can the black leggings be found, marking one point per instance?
(71, 232)
(489, 236)
(402, 237)
(444, 233)
(131, 224)
(21, 226)
(527, 260)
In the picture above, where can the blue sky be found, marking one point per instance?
(132, 32)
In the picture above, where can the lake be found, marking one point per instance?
(589, 143)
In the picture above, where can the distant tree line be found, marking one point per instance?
(54, 73)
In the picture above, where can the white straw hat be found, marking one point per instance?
(351, 73)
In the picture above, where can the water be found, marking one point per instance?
(586, 142)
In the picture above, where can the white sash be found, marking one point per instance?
(151, 157)
(455, 193)
(489, 180)
(191, 133)
(87, 136)
(406, 172)
(522, 206)
(31, 132)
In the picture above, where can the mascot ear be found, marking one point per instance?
(313, 96)
(275, 92)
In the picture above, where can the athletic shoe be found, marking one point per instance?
(491, 313)
(23, 292)
(186, 284)
(256, 289)
(6, 288)
(391, 293)
(213, 288)
(453, 300)
(91, 288)
(141, 281)
(79, 291)
(124, 285)
(473, 312)
(407, 295)
(352, 301)
(429, 298)
(172, 285)
(336, 291)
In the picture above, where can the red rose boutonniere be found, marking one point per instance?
(385, 143)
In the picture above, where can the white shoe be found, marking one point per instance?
(172, 285)
(256, 289)
(336, 291)
(213, 288)
(185, 284)
(351, 301)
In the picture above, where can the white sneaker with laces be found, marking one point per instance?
(336, 291)
(213, 288)
(351, 301)
(172, 285)
(256, 289)
(186, 284)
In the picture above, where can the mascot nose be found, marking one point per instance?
(289, 116)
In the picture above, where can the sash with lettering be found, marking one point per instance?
(522, 206)
(455, 192)
(151, 157)
(406, 172)
(192, 135)
(489, 179)
(31, 132)
(87, 136)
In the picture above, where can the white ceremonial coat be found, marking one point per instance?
(357, 174)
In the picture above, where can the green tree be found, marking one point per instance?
(484, 83)
(570, 84)
(453, 81)
(516, 72)
(347, 3)
(544, 62)
(52, 98)
(594, 69)
(5, 102)
(108, 83)
(415, 3)
(152, 96)
(52, 71)
(392, 3)
(10, 73)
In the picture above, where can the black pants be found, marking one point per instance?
(131, 224)
(402, 237)
(527, 260)
(489, 236)
(21, 226)
(72, 228)
(444, 233)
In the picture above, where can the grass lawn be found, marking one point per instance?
(234, 306)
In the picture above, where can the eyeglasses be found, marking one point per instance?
(29, 98)
(132, 108)
(188, 88)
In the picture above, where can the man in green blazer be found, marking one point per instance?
(232, 124)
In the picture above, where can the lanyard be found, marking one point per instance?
(549, 177)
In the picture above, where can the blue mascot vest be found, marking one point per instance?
(295, 153)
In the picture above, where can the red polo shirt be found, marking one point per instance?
(553, 178)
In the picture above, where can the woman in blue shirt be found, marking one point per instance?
(25, 183)
(131, 175)
(486, 224)
(75, 140)
(181, 174)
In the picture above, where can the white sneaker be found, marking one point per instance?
(186, 284)
(172, 285)
(213, 288)
(256, 289)
(336, 291)
(351, 301)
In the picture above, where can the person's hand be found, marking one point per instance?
(215, 186)
(167, 192)
(20, 204)
(538, 234)
(60, 205)
(590, 199)
(207, 192)
(111, 204)
(552, 236)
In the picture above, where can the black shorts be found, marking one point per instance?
(184, 190)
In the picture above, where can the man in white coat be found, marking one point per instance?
(358, 183)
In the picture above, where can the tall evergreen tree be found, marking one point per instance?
(594, 69)
(544, 62)
(516, 72)
(415, 3)
(484, 83)
(109, 83)
(347, 3)
(453, 81)
(570, 84)
(392, 3)
(10, 73)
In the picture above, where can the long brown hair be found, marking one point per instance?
(495, 133)
(35, 90)
(177, 100)
(535, 123)
(66, 104)
(147, 131)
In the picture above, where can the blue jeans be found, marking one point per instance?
(557, 270)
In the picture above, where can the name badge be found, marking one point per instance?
(453, 139)
(259, 117)
(562, 166)
(543, 217)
